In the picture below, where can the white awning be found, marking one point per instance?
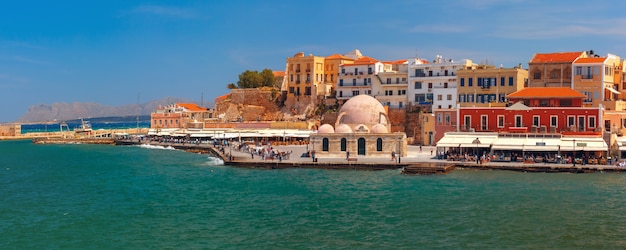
(527, 143)
(467, 140)
(583, 144)
(612, 90)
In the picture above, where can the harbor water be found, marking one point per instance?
(102, 196)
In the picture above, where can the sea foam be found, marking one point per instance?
(156, 147)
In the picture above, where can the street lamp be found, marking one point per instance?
(574, 153)
(477, 141)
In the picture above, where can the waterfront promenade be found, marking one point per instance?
(416, 157)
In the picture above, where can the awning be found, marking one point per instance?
(612, 90)
(583, 144)
(467, 140)
(509, 143)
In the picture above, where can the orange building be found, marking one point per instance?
(552, 69)
(180, 115)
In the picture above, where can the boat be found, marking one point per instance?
(85, 127)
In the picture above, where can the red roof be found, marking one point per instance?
(591, 60)
(191, 106)
(547, 92)
(396, 62)
(365, 61)
(338, 56)
(560, 57)
(279, 73)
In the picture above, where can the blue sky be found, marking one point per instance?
(109, 52)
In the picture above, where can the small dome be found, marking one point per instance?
(326, 129)
(379, 129)
(361, 128)
(343, 128)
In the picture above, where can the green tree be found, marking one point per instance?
(254, 79)
(231, 86)
(267, 78)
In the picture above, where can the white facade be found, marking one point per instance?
(434, 83)
(390, 85)
(355, 79)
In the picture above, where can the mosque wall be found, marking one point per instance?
(370, 146)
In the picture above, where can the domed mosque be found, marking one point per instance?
(362, 129)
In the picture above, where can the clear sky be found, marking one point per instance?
(109, 52)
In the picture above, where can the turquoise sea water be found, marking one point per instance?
(103, 197)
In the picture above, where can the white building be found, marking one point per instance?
(434, 83)
(355, 79)
(390, 85)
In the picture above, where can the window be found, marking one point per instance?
(470, 98)
(518, 121)
(439, 97)
(589, 96)
(379, 144)
(343, 71)
(461, 97)
(325, 144)
(418, 85)
(343, 144)
(502, 97)
(500, 121)
(439, 118)
(537, 75)
(554, 120)
(307, 91)
(445, 85)
(579, 70)
(355, 92)
(571, 121)
(536, 121)
(581, 123)
(340, 82)
(510, 81)
(449, 97)
(592, 122)
(554, 74)
(388, 80)
(447, 118)
(480, 82)
(462, 82)
(501, 81)
(291, 90)
(430, 85)
(470, 81)
(353, 82)
(402, 92)
(340, 93)
(483, 123)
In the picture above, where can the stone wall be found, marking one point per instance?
(391, 142)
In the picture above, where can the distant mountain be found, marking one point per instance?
(76, 110)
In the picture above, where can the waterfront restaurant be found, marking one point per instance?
(542, 121)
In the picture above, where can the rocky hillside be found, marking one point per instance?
(68, 111)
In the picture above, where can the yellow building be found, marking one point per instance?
(305, 80)
(599, 78)
(331, 70)
(485, 86)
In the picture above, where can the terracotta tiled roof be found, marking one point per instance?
(546, 92)
(338, 56)
(396, 62)
(221, 98)
(560, 57)
(279, 73)
(365, 61)
(591, 60)
(191, 106)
